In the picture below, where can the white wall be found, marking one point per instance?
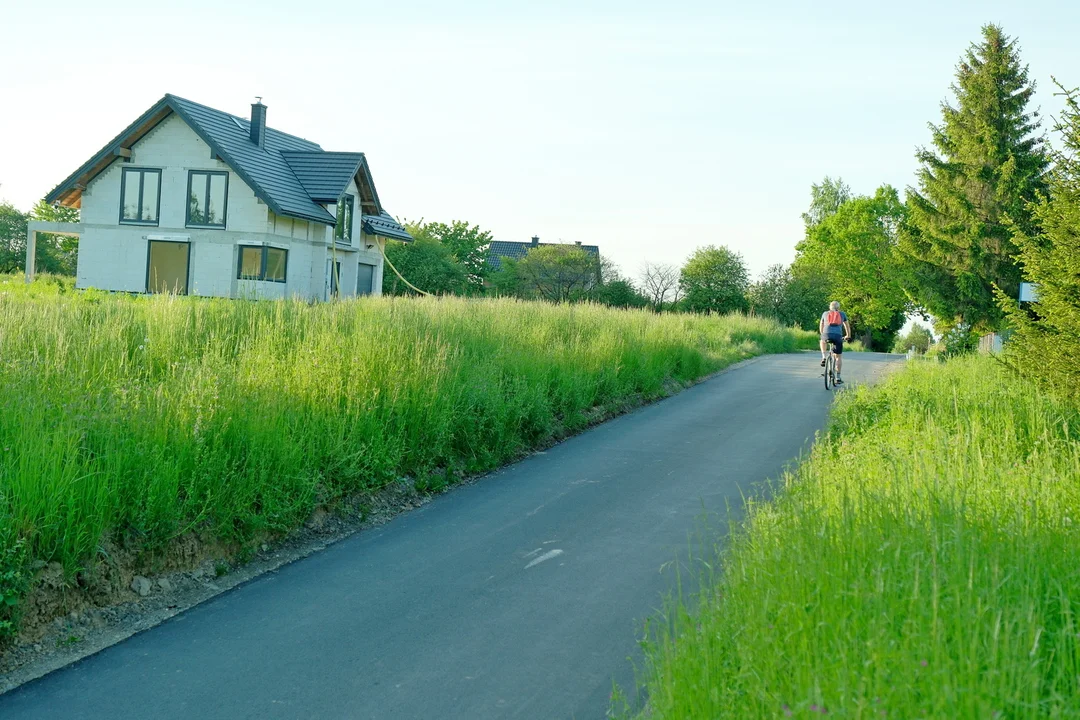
(299, 273)
(112, 260)
(317, 272)
(174, 148)
(213, 268)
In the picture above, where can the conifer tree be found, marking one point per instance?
(1046, 338)
(989, 164)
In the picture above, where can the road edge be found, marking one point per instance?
(195, 587)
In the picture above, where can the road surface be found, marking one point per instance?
(520, 596)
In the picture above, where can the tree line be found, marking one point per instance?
(990, 208)
(994, 204)
(455, 259)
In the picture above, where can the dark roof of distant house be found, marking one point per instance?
(503, 249)
(290, 174)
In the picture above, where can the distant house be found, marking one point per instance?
(192, 200)
(500, 250)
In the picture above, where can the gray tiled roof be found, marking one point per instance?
(264, 168)
(384, 225)
(324, 175)
(500, 249)
(290, 174)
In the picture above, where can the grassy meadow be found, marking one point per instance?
(144, 418)
(924, 562)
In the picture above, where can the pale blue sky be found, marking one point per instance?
(646, 128)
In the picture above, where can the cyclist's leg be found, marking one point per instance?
(838, 352)
(824, 349)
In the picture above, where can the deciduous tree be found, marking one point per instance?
(660, 284)
(855, 249)
(468, 245)
(12, 238)
(789, 297)
(619, 293)
(427, 264)
(56, 253)
(825, 200)
(558, 273)
(714, 280)
(917, 338)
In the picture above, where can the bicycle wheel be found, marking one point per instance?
(828, 370)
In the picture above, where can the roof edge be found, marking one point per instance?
(385, 225)
(70, 182)
(225, 157)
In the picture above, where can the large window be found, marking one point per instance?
(207, 198)
(262, 263)
(140, 196)
(343, 229)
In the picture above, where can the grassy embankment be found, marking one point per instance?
(924, 562)
(146, 418)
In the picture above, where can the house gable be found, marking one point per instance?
(264, 169)
(173, 150)
(294, 177)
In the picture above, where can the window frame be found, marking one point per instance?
(206, 197)
(149, 255)
(263, 256)
(348, 204)
(142, 171)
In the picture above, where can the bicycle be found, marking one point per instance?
(830, 365)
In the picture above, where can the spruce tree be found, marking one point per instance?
(1046, 338)
(989, 164)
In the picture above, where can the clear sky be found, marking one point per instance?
(645, 128)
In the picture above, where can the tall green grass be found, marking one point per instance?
(923, 563)
(143, 418)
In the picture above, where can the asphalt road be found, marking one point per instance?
(520, 596)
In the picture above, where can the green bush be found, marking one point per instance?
(958, 341)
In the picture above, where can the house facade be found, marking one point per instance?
(192, 200)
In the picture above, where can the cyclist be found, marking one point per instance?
(834, 327)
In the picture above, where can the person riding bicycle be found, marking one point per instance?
(834, 328)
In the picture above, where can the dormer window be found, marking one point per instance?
(343, 228)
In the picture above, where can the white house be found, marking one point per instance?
(196, 201)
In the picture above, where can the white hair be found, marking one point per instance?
(834, 305)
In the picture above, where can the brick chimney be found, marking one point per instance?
(535, 241)
(258, 122)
